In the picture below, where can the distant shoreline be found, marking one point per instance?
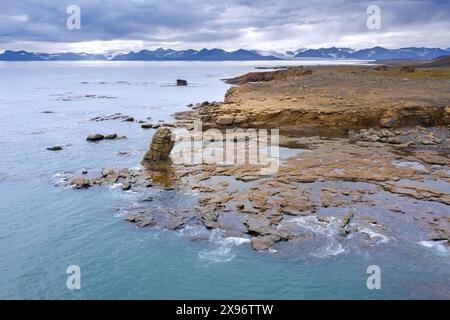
(376, 53)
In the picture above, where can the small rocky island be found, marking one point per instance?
(369, 160)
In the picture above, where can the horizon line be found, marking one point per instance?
(229, 51)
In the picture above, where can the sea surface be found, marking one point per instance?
(46, 228)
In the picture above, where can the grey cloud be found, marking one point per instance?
(230, 24)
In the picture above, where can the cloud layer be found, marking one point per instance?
(260, 24)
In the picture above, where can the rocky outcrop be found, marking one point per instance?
(160, 147)
(269, 76)
(95, 137)
(329, 190)
(80, 183)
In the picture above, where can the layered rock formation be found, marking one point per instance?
(332, 100)
(160, 147)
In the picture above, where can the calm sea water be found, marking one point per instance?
(44, 229)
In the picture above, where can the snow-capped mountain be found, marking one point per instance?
(9, 55)
(329, 53)
(193, 55)
(376, 53)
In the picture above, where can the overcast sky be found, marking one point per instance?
(118, 25)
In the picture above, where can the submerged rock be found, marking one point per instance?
(55, 148)
(95, 137)
(80, 183)
(111, 136)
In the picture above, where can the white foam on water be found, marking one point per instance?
(373, 234)
(237, 241)
(225, 246)
(121, 213)
(116, 185)
(441, 247)
(334, 248)
(61, 178)
(194, 232)
(221, 254)
(313, 224)
(329, 230)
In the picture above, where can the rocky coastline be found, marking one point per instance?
(367, 161)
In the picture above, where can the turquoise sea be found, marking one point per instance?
(46, 228)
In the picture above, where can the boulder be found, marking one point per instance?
(394, 140)
(148, 221)
(111, 136)
(80, 183)
(160, 147)
(181, 82)
(373, 138)
(55, 148)
(241, 119)
(225, 120)
(95, 137)
(146, 125)
(126, 186)
(261, 243)
(389, 121)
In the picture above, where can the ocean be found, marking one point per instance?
(45, 228)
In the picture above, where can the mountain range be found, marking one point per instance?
(376, 53)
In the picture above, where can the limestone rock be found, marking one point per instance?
(80, 183)
(240, 119)
(261, 243)
(160, 147)
(225, 120)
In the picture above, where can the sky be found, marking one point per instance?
(108, 26)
